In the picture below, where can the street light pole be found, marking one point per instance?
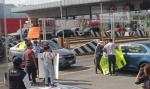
(101, 21)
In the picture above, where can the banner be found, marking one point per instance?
(120, 61)
(41, 66)
(104, 65)
(34, 32)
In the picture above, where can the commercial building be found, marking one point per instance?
(12, 19)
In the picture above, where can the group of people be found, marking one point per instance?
(17, 78)
(107, 50)
(143, 76)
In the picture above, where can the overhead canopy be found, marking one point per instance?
(56, 4)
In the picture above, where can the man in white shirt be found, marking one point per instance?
(109, 49)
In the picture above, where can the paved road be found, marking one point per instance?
(82, 75)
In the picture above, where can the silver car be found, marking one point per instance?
(66, 58)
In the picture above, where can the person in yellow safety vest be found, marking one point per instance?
(98, 54)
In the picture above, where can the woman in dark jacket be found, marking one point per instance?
(98, 54)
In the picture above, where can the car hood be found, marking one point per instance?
(63, 52)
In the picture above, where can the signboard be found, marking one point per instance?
(34, 32)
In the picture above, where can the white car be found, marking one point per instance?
(66, 58)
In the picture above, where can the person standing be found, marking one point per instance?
(98, 54)
(37, 50)
(143, 77)
(109, 49)
(48, 66)
(30, 63)
(18, 78)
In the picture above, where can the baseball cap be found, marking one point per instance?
(17, 60)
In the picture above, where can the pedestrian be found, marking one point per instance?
(18, 78)
(109, 49)
(30, 63)
(48, 56)
(144, 78)
(45, 44)
(37, 50)
(98, 54)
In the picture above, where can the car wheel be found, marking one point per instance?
(142, 65)
(68, 66)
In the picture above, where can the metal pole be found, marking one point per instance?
(101, 21)
(44, 30)
(20, 23)
(6, 38)
(111, 25)
(61, 13)
(43, 27)
(0, 27)
(121, 18)
(113, 29)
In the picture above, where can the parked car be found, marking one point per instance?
(67, 33)
(66, 57)
(17, 34)
(87, 31)
(136, 54)
(75, 31)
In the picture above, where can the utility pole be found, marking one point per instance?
(101, 22)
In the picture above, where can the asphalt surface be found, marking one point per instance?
(83, 75)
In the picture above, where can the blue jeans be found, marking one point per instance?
(49, 72)
(112, 60)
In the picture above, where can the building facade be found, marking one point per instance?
(12, 19)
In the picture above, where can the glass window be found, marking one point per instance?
(124, 48)
(53, 45)
(136, 49)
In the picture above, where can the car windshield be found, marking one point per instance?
(19, 31)
(86, 30)
(53, 45)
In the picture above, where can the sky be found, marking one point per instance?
(28, 2)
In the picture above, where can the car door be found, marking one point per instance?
(16, 52)
(124, 48)
(133, 54)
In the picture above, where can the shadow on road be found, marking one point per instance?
(126, 73)
(74, 80)
(74, 68)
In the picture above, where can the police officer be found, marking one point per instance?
(18, 78)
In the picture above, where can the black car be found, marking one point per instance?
(67, 33)
(87, 31)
